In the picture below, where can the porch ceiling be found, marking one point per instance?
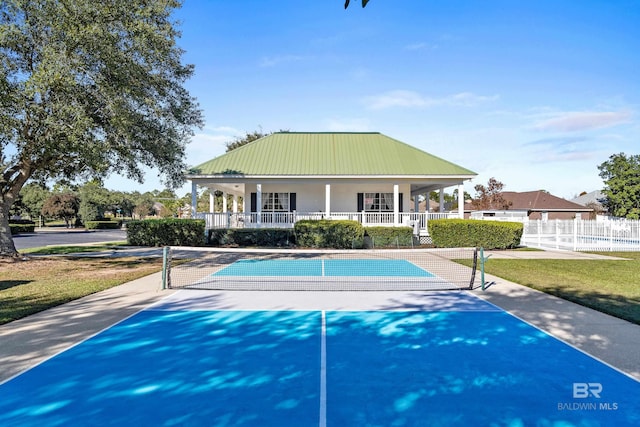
(237, 186)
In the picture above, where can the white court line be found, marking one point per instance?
(323, 371)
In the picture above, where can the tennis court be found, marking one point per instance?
(321, 359)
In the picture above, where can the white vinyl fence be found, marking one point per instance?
(582, 235)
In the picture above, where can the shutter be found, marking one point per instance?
(254, 202)
(292, 202)
(360, 202)
(400, 202)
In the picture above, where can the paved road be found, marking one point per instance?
(48, 237)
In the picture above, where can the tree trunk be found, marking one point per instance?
(7, 248)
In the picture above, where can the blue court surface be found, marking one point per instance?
(324, 267)
(465, 363)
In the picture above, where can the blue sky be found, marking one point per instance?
(536, 93)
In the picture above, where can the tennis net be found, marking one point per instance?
(326, 270)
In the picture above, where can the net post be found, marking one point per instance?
(482, 266)
(474, 268)
(483, 259)
(166, 267)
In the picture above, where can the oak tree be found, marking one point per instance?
(62, 206)
(89, 88)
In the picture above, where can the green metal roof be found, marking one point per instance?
(340, 154)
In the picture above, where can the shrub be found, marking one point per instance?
(102, 225)
(271, 237)
(166, 232)
(17, 226)
(324, 233)
(456, 233)
(382, 237)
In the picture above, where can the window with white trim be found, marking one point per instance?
(275, 202)
(378, 202)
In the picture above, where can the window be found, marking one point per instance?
(378, 202)
(275, 202)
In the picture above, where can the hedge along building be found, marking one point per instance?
(287, 176)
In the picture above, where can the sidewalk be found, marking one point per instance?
(544, 254)
(31, 340)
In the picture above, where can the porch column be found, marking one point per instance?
(441, 209)
(212, 200)
(234, 206)
(327, 200)
(416, 203)
(427, 206)
(259, 203)
(224, 202)
(194, 199)
(396, 202)
(461, 200)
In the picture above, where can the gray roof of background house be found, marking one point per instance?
(593, 197)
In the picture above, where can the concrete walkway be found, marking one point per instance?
(546, 254)
(29, 341)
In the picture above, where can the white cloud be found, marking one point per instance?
(577, 121)
(411, 99)
(559, 141)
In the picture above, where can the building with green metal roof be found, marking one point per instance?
(287, 175)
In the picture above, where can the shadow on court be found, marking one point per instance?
(267, 368)
(464, 368)
(177, 368)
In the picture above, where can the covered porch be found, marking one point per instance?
(250, 203)
(285, 177)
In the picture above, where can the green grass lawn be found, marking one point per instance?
(609, 286)
(27, 287)
(67, 250)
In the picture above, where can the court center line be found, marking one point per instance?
(323, 371)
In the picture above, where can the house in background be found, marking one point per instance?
(535, 205)
(593, 200)
(287, 176)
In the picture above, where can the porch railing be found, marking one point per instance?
(418, 220)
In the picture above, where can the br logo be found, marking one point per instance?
(584, 390)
